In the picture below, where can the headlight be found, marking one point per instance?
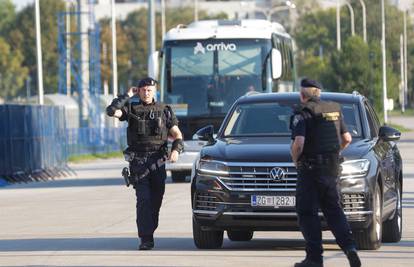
(354, 168)
(212, 167)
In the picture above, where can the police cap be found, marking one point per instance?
(147, 82)
(310, 83)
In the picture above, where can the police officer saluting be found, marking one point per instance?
(319, 134)
(149, 125)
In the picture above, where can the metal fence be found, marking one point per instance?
(32, 142)
(95, 140)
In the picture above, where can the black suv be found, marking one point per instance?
(245, 180)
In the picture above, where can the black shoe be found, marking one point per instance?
(146, 245)
(353, 258)
(308, 263)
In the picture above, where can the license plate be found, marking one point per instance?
(273, 201)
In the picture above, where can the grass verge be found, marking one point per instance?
(399, 127)
(90, 157)
(397, 112)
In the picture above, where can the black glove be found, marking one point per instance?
(178, 145)
(117, 103)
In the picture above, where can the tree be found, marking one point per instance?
(357, 65)
(12, 74)
(22, 37)
(7, 15)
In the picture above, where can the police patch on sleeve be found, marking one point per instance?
(296, 120)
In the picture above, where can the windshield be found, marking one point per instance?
(205, 77)
(273, 119)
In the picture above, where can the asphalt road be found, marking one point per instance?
(89, 220)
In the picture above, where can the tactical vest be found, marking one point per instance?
(322, 120)
(147, 130)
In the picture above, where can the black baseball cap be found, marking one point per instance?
(147, 82)
(310, 83)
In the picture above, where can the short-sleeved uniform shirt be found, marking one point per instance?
(299, 125)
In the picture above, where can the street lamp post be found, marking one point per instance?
(364, 20)
(338, 25)
(405, 59)
(39, 54)
(114, 55)
(351, 11)
(384, 66)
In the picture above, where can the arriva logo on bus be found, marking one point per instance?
(199, 48)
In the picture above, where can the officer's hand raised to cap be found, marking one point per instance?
(132, 91)
(173, 156)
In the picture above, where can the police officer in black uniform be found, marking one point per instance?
(318, 135)
(149, 125)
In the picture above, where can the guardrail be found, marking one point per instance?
(32, 143)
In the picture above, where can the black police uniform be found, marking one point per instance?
(322, 125)
(147, 133)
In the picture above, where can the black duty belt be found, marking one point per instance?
(321, 159)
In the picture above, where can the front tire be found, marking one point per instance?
(370, 238)
(240, 235)
(206, 239)
(392, 228)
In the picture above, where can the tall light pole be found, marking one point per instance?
(402, 83)
(68, 70)
(364, 20)
(384, 66)
(405, 59)
(195, 10)
(351, 11)
(114, 55)
(163, 18)
(151, 29)
(39, 54)
(338, 25)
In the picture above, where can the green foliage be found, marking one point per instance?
(12, 74)
(23, 38)
(358, 65)
(7, 15)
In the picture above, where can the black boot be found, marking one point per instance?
(147, 243)
(353, 258)
(308, 263)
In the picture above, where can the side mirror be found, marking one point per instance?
(276, 61)
(206, 134)
(388, 133)
(153, 65)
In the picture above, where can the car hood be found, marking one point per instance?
(249, 149)
(267, 149)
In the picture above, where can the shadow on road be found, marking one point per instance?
(59, 183)
(129, 243)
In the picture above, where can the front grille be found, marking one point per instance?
(258, 178)
(205, 201)
(353, 202)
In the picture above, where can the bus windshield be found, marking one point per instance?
(205, 77)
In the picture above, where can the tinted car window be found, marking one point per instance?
(259, 119)
(274, 119)
(373, 127)
(352, 119)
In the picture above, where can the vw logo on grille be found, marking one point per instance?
(277, 174)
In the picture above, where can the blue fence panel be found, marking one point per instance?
(32, 140)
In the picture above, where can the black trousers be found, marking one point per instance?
(149, 192)
(318, 188)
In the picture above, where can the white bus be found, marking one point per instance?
(207, 65)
